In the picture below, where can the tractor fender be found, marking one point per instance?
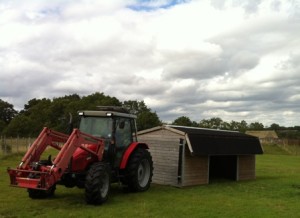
(129, 151)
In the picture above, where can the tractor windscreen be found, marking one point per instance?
(97, 126)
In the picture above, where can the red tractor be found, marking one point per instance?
(103, 150)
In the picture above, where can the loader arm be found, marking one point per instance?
(45, 138)
(28, 175)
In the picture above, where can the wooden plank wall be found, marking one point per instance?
(164, 148)
(246, 167)
(195, 169)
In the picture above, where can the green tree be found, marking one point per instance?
(7, 111)
(182, 121)
(55, 113)
(2, 126)
(90, 102)
(36, 113)
(146, 120)
(135, 107)
(274, 126)
(205, 123)
(21, 126)
(213, 123)
(225, 125)
(256, 126)
(145, 117)
(238, 126)
(243, 126)
(62, 110)
(234, 125)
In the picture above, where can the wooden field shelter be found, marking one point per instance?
(186, 156)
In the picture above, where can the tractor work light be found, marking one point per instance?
(81, 113)
(109, 114)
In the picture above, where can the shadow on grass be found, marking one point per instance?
(271, 177)
(75, 196)
(296, 186)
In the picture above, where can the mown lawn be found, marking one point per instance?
(275, 193)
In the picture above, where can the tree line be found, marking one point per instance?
(55, 113)
(242, 126)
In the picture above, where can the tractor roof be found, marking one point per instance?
(107, 111)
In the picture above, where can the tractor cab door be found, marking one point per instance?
(123, 137)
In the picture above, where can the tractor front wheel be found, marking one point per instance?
(139, 170)
(97, 184)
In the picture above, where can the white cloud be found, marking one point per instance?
(232, 59)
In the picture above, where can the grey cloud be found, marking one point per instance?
(26, 85)
(200, 66)
(250, 6)
(275, 5)
(142, 87)
(241, 60)
(205, 67)
(219, 4)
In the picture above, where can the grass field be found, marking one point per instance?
(275, 193)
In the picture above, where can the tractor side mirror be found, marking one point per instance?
(70, 124)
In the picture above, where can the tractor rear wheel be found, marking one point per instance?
(40, 194)
(97, 184)
(139, 170)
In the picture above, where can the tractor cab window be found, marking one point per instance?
(97, 126)
(123, 133)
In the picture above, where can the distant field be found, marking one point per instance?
(275, 193)
(20, 145)
(281, 149)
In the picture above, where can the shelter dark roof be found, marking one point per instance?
(220, 142)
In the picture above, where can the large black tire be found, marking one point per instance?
(40, 194)
(139, 170)
(97, 184)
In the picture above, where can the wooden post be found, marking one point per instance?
(17, 143)
(1, 143)
(5, 147)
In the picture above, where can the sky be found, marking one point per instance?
(233, 59)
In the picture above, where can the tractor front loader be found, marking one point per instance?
(103, 150)
(41, 176)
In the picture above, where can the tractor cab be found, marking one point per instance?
(115, 125)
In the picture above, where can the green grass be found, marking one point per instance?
(275, 193)
(281, 149)
(274, 149)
